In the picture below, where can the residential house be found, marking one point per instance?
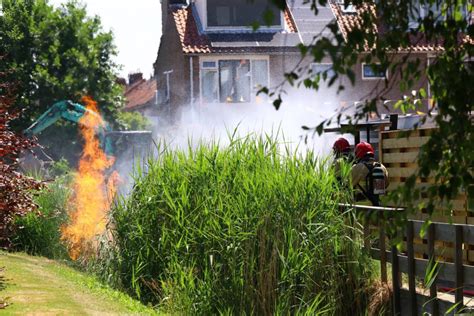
(141, 94)
(210, 56)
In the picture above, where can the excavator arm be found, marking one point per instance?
(72, 112)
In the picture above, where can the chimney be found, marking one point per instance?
(134, 77)
(121, 81)
(165, 6)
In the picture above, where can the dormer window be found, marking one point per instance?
(241, 13)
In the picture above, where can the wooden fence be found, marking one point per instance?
(409, 297)
(399, 154)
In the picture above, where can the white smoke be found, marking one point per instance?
(214, 122)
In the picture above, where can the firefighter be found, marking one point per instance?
(369, 177)
(342, 154)
(341, 148)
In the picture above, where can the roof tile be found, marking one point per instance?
(194, 42)
(139, 94)
(347, 22)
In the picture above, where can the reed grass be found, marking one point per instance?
(249, 228)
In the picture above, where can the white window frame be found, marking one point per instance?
(216, 59)
(271, 28)
(373, 78)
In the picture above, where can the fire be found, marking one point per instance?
(92, 193)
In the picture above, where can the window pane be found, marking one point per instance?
(240, 12)
(209, 64)
(259, 74)
(415, 13)
(234, 80)
(317, 69)
(209, 86)
(435, 10)
(373, 71)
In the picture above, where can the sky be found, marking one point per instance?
(136, 26)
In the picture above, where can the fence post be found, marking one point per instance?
(395, 281)
(432, 258)
(383, 253)
(411, 268)
(459, 299)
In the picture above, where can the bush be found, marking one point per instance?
(39, 233)
(15, 188)
(133, 121)
(60, 168)
(237, 230)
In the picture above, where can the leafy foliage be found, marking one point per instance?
(387, 32)
(15, 188)
(133, 121)
(242, 229)
(57, 54)
(39, 233)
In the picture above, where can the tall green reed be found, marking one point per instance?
(240, 229)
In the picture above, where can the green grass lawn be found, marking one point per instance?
(39, 286)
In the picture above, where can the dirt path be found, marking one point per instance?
(38, 286)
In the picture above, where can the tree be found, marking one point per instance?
(15, 188)
(384, 27)
(55, 54)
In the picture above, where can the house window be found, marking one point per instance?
(240, 13)
(259, 74)
(233, 80)
(420, 11)
(373, 71)
(320, 69)
(209, 86)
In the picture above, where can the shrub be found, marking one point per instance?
(133, 121)
(38, 233)
(60, 168)
(237, 230)
(15, 188)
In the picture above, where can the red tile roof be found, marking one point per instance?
(350, 21)
(140, 94)
(193, 42)
(290, 21)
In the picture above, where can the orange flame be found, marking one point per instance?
(91, 199)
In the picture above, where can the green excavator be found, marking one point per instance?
(73, 112)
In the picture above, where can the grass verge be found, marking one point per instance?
(36, 285)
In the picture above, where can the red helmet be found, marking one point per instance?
(341, 145)
(362, 149)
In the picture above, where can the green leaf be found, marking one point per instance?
(422, 93)
(320, 128)
(277, 103)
